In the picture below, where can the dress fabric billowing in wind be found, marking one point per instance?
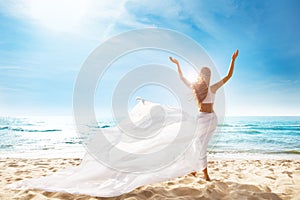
(96, 179)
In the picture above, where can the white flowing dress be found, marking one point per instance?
(93, 178)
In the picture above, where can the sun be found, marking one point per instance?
(191, 76)
(57, 15)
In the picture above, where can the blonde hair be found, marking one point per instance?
(200, 88)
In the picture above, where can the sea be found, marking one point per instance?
(253, 137)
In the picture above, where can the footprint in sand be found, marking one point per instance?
(270, 177)
(170, 183)
(288, 173)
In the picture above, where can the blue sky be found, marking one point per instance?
(44, 44)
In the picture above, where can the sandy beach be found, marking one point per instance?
(231, 179)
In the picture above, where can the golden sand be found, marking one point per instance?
(239, 179)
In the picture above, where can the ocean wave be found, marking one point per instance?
(263, 130)
(97, 126)
(73, 142)
(238, 125)
(242, 131)
(5, 146)
(285, 152)
(4, 128)
(280, 128)
(216, 151)
(263, 126)
(104, 126)
(28, 130)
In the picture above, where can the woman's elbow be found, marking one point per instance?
(229, 75)
(226, 78)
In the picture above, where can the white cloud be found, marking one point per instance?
(81, 17)
(184, 15)
(99, 19)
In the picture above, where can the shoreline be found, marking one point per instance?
(231, 179)
(211, 156)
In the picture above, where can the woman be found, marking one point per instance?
(96, 178)
(205, 94)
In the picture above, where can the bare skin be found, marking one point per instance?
(207, 107)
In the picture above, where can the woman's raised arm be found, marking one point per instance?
(219, 84)
(186, 82)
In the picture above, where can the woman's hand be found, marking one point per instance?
(219, 84)
(173, 60)
(235, 54)
(186, 82)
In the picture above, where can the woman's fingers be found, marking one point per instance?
(235, 54)
(173, 60)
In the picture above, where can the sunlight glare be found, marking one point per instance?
(63, 15)
(191, 76)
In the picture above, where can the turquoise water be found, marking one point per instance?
(257, 136)
(237, 137)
